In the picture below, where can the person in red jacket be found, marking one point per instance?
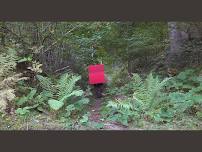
(97, 78)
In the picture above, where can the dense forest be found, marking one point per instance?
(153, 72)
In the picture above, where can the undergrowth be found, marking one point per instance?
(61, 97)
(156, 100)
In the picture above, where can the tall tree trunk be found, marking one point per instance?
(185, 44)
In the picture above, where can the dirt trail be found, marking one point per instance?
(95, 117)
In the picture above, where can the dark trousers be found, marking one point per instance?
(98, 89)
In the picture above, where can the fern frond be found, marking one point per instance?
(9, 82)
(66, 84)
(47, 84)
(122, 105)
(7, 63)
(150, 92)
(8, 78)
(6, 96)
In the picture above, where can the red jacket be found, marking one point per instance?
(96, 74)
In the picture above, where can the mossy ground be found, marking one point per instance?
(187, 123)
(35, 121)
(44, 122)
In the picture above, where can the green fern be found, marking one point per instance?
(8, 78)
(147, 96)
(150, 92)
(157, 100)
(60, 90)
(24, 99)
(7, 62)
(66, 84)
(122, 111)
(47, 84)
(135, 84)
(120, 104)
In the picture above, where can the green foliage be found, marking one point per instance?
(79, 104)
(8, 77)
(186, 80)
(7, 62)
(122, 111)
(199, 114)
(84, 119)
(30, 96)
(69, 109)
(96, 125)
(53, 93)
(55, 104)
(22, 111)
(181, 101)
(118, 77)
(149, 35)
(60, 89)
(150, 92)
(176, 103)
(185, 91)
(32, 99)
(66, 84)
(158, 100)
(111, 43)
(25, 59)
(76, 106)
(147, 96)
(47, 84)
(63, 90)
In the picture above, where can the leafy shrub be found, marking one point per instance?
(84, 119)
(127, 88)
(150, 92)
(173, 98)
(63, 90)
(147, 96)
(23, 111)
(185, 92)
(7, 63)
(24, 99)
(119, 77)
(121, 111)
(8, 78)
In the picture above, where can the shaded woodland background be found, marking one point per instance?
(51, 49)
(57, 45)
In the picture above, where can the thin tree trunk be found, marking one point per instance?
(3, 34)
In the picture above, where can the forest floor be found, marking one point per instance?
(95, 117)
(40, 121)
(33, 122)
